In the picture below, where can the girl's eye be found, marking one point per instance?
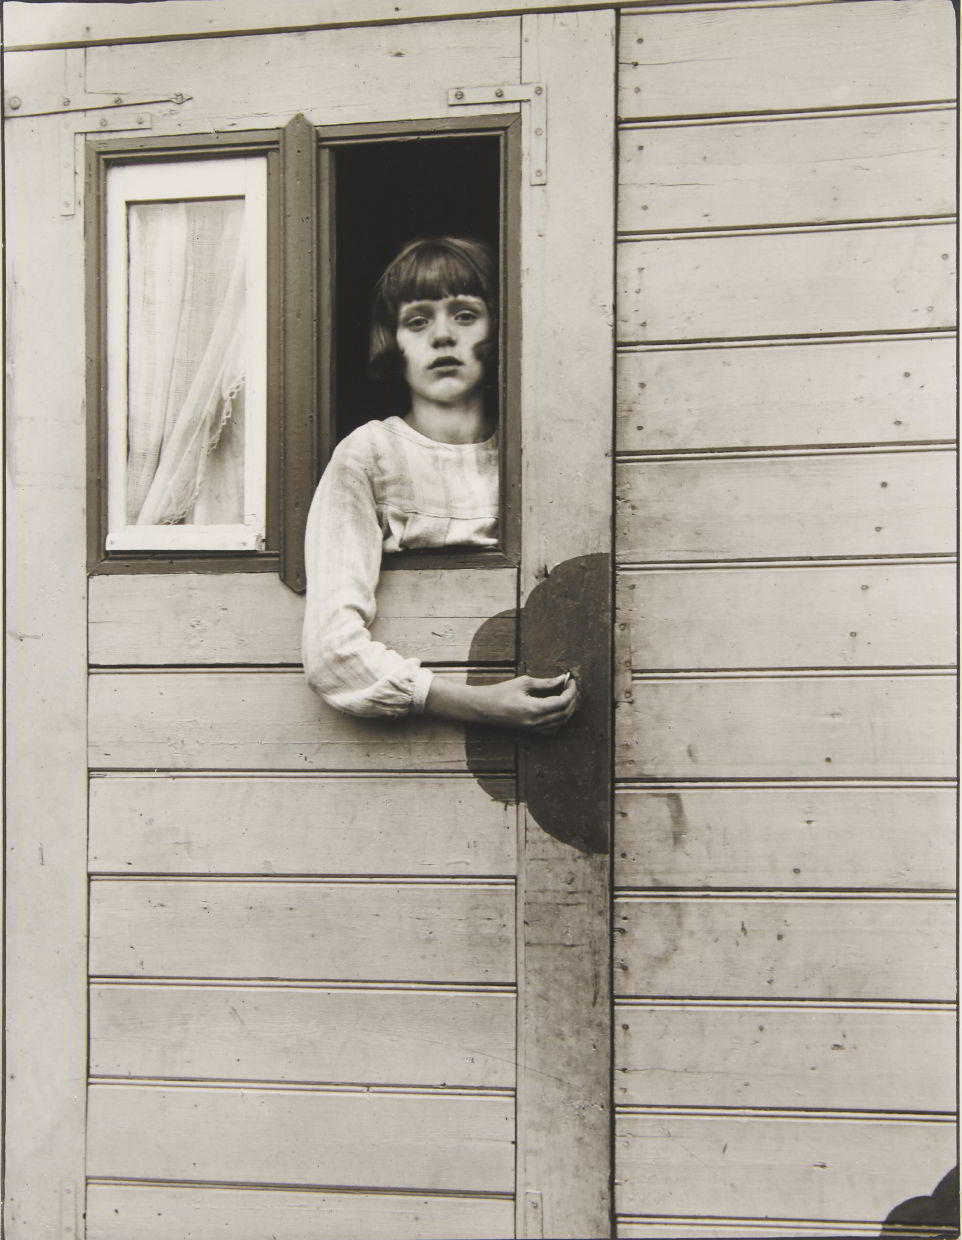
(415, 322)
(466, 316)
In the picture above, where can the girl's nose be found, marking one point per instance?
(443, 333)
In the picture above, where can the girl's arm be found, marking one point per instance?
(350, 670)
(528, 703)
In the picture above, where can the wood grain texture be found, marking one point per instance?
(676, 1228)
(332, 76)
(301, 1137)
(790, 507)
(259, 1033)
(563, 1181)
(787, 283)
(45, 597)
(809, 170)
(186, 18)
(877, 615)
(295, 929)
(260, 721)
(805, 727)
(785, 948)
(841, 837)
(768, 1056)
(790, 1168)
(253, 618)
(119, 1211)
(300, 825)
(851, 392)
(746, 59)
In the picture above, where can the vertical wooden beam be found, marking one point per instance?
(45, 752)
(564, 1079)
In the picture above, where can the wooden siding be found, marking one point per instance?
(420, 931)
(787, 507)
(781, 283)
(866, 836)
(869, 615)
(363, 1035)
(292, 1137)
(788, 727)
(260, 720)
(820, 393)
(817, 1056)
(784, 948)
(200, 618)
(825, 1168)
(119, 1211)
(184, 824)
(811, 169)
(740, 58)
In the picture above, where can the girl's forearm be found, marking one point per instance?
(453, 700)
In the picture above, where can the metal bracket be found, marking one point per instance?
(75, 97)
(534, 117)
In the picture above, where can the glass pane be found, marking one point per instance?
(186, 362)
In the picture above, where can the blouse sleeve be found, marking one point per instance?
(350, 670)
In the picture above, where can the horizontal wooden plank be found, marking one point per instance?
(790, 1168)
(346, 825)
(787, 948)
(845, 392)
(842, 837)
(293, 929)
(787, 283)
(791, 507)
(341, 75)
(746, 59)
(805, 170)
(254, 618)
(266, 1033)
(263, 721)
(61, 22)
(370, 1140)
(119, 1211)
(784, 1057)
(878, 615)
(629, 1228)
(788, 727)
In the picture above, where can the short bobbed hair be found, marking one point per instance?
(427, 270)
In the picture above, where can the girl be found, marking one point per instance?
(427, 479)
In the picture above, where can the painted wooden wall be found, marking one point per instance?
(784, 853)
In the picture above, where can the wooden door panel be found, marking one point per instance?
(262, 720)
(292, 1137)
(297, 824)
(119, 1211)
(200, 618)
(351, 1034)
(417, 931)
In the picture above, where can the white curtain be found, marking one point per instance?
(186, 350)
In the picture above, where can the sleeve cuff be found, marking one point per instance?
(422, 684)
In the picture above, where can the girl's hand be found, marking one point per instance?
(526, 703)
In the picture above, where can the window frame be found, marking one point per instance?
(133, 184)
(300, 322)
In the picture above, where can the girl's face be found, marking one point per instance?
(438, 340)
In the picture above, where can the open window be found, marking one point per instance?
(230, 286)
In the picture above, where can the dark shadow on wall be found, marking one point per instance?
(939, 1212)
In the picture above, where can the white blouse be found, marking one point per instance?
(387, 487)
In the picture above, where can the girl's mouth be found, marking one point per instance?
(444, 363)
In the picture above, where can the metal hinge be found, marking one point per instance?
(75, 97)
(534, 117)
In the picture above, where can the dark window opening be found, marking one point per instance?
(387, 193)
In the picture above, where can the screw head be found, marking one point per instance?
(118, 99)
(459, 94)
(103, 122)
(539, 90)
(539, 172)
(65, 101)
(499, 93)
(14, 102)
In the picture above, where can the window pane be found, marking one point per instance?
(186, 362)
